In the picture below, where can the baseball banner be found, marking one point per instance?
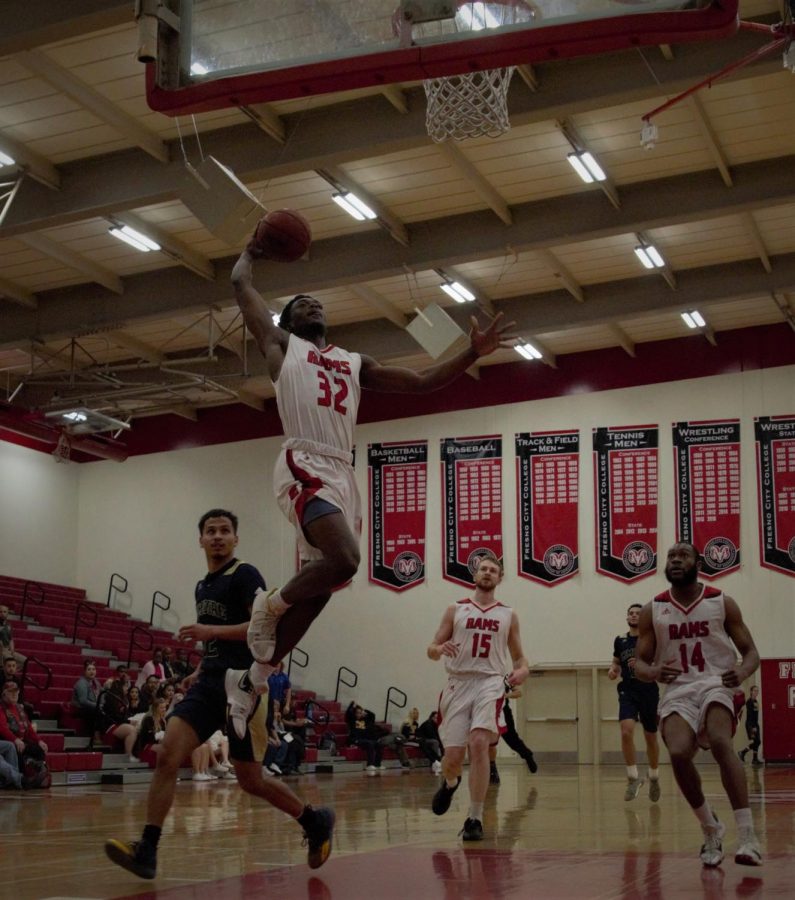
(547, 502)
(625, 488)
(397, 475)
(707, 465)
(472, 502)
(775, 476)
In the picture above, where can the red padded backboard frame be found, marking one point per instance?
(435, 60)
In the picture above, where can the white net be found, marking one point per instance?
(468, 106)
(63, 449)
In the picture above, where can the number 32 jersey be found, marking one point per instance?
(482, 638)
(693, 638)
(317, 393)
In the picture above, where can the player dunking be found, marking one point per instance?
(687, 640)
(223, 604)
(637, 700)
(317, 393)
(480, 641)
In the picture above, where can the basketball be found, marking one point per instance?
(283, 235)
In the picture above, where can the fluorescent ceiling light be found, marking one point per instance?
(457, 291)
(134, 238)
(528, 351)
(586, 167)
(476, 17)
(354, 206)
(649, 256)
(6, 160)
(198, 68)
(75, 416)
(693, 319)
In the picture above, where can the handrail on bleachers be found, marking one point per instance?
(158, 605)
(394, 702)
(115, 587)
(134, 643)
(27, 679)
(27, 596)
(350, 684)
(301, 665)
(78, 621)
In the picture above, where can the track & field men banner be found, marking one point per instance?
(625, 488)
(775, 476)
(397, 475)
(547, 501)
(707, 466)
(472, 503)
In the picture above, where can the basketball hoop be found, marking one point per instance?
(63, 449)
(473, 104)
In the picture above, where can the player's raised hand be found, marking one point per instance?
(492, 337)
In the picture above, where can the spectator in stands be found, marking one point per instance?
(296, 748)
(9, 671)
(280, 688)
(180, 666)
(153, 667)
(135, 701)
(220, 766)
(10, 776)
(429, 745)
(429, 729)
(15, 726)
(365, 734)
(7, 638)
(168, 665)
(85, 694)
(112, 713)
(152, 729)
(166, 692)
(121, 675)
(277, 749)
(149, 691)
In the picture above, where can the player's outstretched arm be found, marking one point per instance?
(269, 337)
(741, 636)
(646, 648)
(395, 379)
(441, 644)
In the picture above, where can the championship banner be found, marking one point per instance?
(397, 475)
(547, 501)
(625, 488)
(775, 475)
(472, 485)
(707, 464)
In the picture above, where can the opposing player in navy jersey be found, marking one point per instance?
(223, 608)
(480, 642)
(689, 637)
(317, 393)
(637, 701)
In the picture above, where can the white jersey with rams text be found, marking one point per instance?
(318, 393)
(482, 638)
(693, 638)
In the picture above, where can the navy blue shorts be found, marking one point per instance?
(639, 706)
(204, 709)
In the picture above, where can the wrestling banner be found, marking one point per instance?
(775, 475)
(625, 488)
(547, 495)
(472, 503)
(397, 476)
(707, 466)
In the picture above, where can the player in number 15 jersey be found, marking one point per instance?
(687, 640)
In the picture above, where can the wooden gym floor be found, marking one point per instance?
(563, 833)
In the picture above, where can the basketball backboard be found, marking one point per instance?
(207, 54)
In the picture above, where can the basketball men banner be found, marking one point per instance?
(775, 474)
(547, 495)
(397, 483)
(625, 487)
(472, 485)
(707, 465)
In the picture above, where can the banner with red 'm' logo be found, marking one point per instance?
(775, 474)
(472, 503)
(707, 465)
(547, 501)
(625, 489)
(397, 475)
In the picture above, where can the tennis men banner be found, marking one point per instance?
(775, 474)
(547, 500)
(707, 466)
(397, 486)
(625, 488)
(472, 503)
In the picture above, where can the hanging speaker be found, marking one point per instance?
(437, 333)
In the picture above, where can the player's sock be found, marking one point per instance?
(151, 835)
(743, 818)
(259, 673)
(475, 811)
(452, 783)
(632, 772)
(705, 815)
(654, 774)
